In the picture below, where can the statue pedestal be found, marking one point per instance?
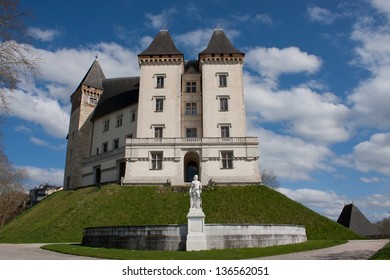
(196, 236)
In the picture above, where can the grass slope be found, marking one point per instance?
(62, 216)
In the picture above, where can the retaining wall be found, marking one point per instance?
(173, 237)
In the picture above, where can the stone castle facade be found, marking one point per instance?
(177, 119)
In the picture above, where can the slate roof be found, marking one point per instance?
(117, 93)
(191, 67)
(94, 76)
(162, 44)
(352, 218)
(219, 43)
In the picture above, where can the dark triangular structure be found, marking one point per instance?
(220, 44)
(352, 218)
(94, 77)
(162, 44)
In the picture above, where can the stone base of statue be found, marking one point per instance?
(196, 236)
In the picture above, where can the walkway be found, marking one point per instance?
(33, 252)
(353, 250)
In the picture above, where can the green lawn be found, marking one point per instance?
(62, 216)
(226, 254)
(382, 254)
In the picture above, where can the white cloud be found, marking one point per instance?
(145, 42)
(290, 158)
(194, 41)
(370, 180)
(373, 206)
(321, 15)
(328, 203)
(301, 111)
(39, 142)
(382, 6)
(23, 129)
(41, 110)
(37, 176)
(159, 21)
(371, 155)
(264, 19)
(42, 142)
(44, 35)
(370, 99)
(272, 62)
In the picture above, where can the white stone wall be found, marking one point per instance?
(169, 118)
(127, 128)
(245, 163)
(212, 116)
(191, 121)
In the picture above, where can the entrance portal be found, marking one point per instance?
(191, 166)
(192, 170)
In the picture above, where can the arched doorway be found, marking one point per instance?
(191, 166)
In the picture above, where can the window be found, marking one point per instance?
(225, 131)
(119, 120)
(160, 81)
(222, 79)
(191, 132)
(156, 158)
(159, 104)
(105, 147)
(133, 115)
(115, 144)
(158, 132)
(97, 150)
(106, 125)
(93, 100)
(191, 109)
(224, 104)
(190, 87)
(129, 135)
(227, 159)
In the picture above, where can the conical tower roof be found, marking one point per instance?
(94, 76)
(220, 44)
(162, 44)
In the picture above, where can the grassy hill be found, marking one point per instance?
(62, 216)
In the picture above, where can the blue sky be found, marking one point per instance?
(317, 85)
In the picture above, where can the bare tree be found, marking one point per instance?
(269, 178)
(384, 226)
(15, 57)
(13, 197)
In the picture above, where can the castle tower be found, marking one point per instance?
(159, 105)
(221, 65)
(83, 101)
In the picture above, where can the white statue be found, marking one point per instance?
(195, 191)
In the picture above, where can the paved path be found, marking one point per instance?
(353, 250)
(33, 252)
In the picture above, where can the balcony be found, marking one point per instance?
(192, 141)
(119, 152)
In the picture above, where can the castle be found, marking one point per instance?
(177, 119)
